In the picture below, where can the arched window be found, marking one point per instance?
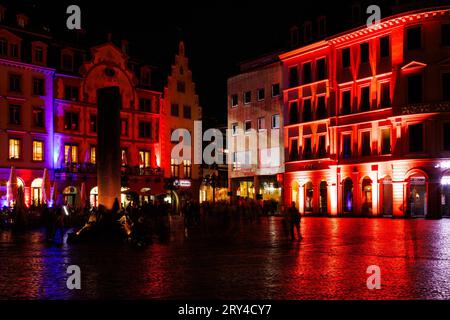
(366, 189)
(36, 191)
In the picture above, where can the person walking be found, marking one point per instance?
(294, 219)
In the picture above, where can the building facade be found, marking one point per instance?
(48, 114)
(367, 122)
(255, 139)
(182, 111)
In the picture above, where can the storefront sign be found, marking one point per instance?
(182, 183)
(418, 181)
(443, 165)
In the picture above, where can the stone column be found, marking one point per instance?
(108, 146)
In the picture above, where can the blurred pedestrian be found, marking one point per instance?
(294, 219)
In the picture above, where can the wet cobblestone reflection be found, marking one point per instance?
(257, 263)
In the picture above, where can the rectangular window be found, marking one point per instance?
(15, 149)
(321, 108)
(234, 129)
(446, 132)
(385, 141)
(346, 146)
(445, 34)
(346, 58)
(307, 112)
(415, 88)
(145, 105)
(275, 90)
(71, 121)
(145, 129)
(38, 87)
(261, 123)
(187, 165)
(93, 123)
(247, 97)
(38, 150)
(67, 62)
(415, 137)
(385, 95)
(321, 69)
(174, 110)
(234, 100)
(15, 114)
(307, 149)
(144, 159)
(365, 144)
(15, 83)
(293, 152)
(276, 121)
(187, 112)
(14, 50)
(174, 168)
(293, 77)
(261, 94)
(3, 47)
(93, 155)
(446, 86)
(70, 153)
(248, 126)
(293, 113)
(38, 117)
(321, 149)
(346, 103)
(307, 75)
(364, 103)
(364, 52)
(38, 55)
(181, 86)
(414, 38)
(124, 127)
(385, 47)
(71, 93)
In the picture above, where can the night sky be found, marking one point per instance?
(218, 35)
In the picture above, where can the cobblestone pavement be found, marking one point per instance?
(255, 262)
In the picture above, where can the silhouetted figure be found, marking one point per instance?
(294, 219)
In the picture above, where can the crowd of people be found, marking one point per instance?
(143, 222)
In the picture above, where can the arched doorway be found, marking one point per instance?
(36, 191)
(93, 197)
(70, 194)
(417, 195)
(445, 194)
(386, 205)
(309, 196)
(347, 195)
(366, 196)
(323, 200)
(295, 194)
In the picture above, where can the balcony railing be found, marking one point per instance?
(426, 107)
(89, 168)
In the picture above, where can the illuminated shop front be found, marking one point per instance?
(269, 189)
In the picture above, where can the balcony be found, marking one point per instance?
(426, 108)
(89, 168)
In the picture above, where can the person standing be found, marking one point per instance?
(294, 219)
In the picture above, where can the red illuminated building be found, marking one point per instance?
(367, 122)
(48, 114)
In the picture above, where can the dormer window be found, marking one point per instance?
(22, 20)
(145, 76)
(67, 61)
(322, 26)
(307, 29)
(2, 13)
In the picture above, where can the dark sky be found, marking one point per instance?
(218, 34)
